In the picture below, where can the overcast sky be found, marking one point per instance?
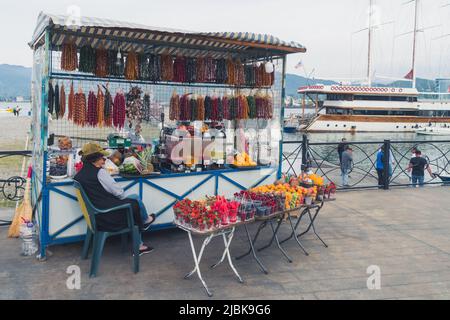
(326, 27)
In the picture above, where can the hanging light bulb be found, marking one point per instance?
(269, 67)
(258, 64)
(119, 58)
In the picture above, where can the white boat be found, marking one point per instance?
(373, 109)
(434, 131)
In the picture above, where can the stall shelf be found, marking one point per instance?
(58, 214)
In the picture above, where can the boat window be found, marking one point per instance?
(337, 97)
(385, 98)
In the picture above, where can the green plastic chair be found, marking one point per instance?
(90, 212)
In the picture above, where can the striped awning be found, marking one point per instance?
(111, 34)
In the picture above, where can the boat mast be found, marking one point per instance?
(369, 49)
(414, 44)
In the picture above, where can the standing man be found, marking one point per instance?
(346, 165)
(417, 166)
(379, 165)
(341, 148)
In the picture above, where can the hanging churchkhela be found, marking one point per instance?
(200, 108)
(144, 70)
(239, 76)
(51, 98)
(252, 107)
(201, 75)
(179, 69)
(87, 59)
(185, 114)
(264, 107)
(191, 70)
(231, 80)
(146, 114)
(132, 67)
(79, 112)
(174, 109)
(134, 106)
(62, 102)
(249, 70)
(71, 104)
(92, 117)
(193, 108)
(166, 68)
(225, 108)
(215, 109)
(108, 109)
(115, 64)
(101, 68)
(221, 71)
(210, 69)
(56, 100)
(208, 108)
(100, 107)
(69, 57)
(154, 66)
(119, 111)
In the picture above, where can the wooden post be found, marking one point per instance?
(303, 107)
(317, 104)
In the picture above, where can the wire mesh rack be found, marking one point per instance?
(160, 94)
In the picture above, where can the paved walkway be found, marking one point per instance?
(405, 232)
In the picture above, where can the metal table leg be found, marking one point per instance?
(311, 225)
(314, 228)
(294, 228)
(273, 235)
(227, 242)
(296, 225)
(197, 261)
(223, 255)
(252, 248)
(278, 243)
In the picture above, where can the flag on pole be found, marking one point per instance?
(410, 75)
(299, 64)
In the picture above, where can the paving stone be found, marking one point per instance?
(405, 232)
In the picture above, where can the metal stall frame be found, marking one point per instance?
(51, 32)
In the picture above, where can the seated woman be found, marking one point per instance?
(105, 193)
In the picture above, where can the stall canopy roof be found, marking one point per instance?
(111, 34)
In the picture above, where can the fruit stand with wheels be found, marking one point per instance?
(197, 113)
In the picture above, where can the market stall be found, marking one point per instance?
(190, 114)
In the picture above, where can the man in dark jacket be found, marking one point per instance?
(341, 148)
(100, 189)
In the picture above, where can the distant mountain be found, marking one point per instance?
(422, 85)
(14, 81)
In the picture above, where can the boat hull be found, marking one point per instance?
(351, 123)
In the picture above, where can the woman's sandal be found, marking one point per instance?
(147, 225)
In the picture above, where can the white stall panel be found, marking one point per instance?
(248, 178)
(206, 189)
(63, 211)
(155, 199)
(227, 189)
(179, 185)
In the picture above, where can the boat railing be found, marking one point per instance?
(434, 97)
